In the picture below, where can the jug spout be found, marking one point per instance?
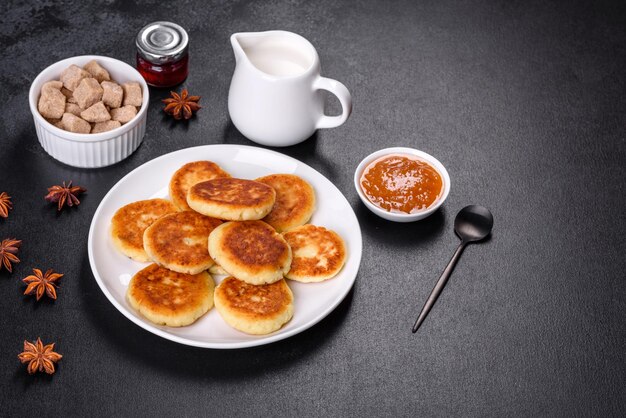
(240, 42)
(236, 44)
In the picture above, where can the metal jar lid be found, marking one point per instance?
(162, 42)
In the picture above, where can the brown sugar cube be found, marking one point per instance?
(88, 92)
(113, 94)
(51, 103)
(96, 113)
(52, 121)
(124, 114)
(73, 108)
(69, 95)
(75, 124)
(66, 92)
(132, 94)
(56, 122)
(72, 76)
(54, 84)
(105, 126)
(97, 71)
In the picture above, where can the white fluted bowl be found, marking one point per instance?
(90, 150)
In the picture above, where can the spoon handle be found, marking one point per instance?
(438, 287)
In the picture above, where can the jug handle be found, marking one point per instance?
(342, 93)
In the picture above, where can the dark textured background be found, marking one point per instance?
(522, 101)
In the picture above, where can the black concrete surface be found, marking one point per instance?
(523, 102)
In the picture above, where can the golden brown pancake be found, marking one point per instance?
(130, 222)
(295, 201)
(318, 253)
(216, 269)
(178, 241)
(166, 297)
(190, 174)
(254, 309)
(251, 251)
(231, 199)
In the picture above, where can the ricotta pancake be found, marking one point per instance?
(231, 199)
(254, 309)
(251, 251)
(130, 222)
(178, 241)
(190, 174)
(216, 269)
(169, 298)
(295, 201)
(318, 253)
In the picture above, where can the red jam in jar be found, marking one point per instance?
(162, 54)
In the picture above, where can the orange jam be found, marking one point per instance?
(401, 183)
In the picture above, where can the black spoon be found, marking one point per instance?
(472, 224)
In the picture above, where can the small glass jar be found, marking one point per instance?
(162, 54)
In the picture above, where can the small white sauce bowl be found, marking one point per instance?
(399, 216)
(90, 150)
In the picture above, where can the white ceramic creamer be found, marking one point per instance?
(275, 95)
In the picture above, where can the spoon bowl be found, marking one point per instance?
(473, 223)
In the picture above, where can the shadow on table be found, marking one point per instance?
(305, 151)
(410, 234)
(36, 166)
(126, 339)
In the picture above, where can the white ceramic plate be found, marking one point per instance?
(313, 301)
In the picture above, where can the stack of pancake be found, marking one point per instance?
(253, 231)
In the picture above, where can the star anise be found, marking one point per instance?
(64, 195)
(5, 204)
(8, 249)
(181, 105)
(39, 357)
(40, 283)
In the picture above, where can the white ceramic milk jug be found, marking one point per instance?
(275, 96)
